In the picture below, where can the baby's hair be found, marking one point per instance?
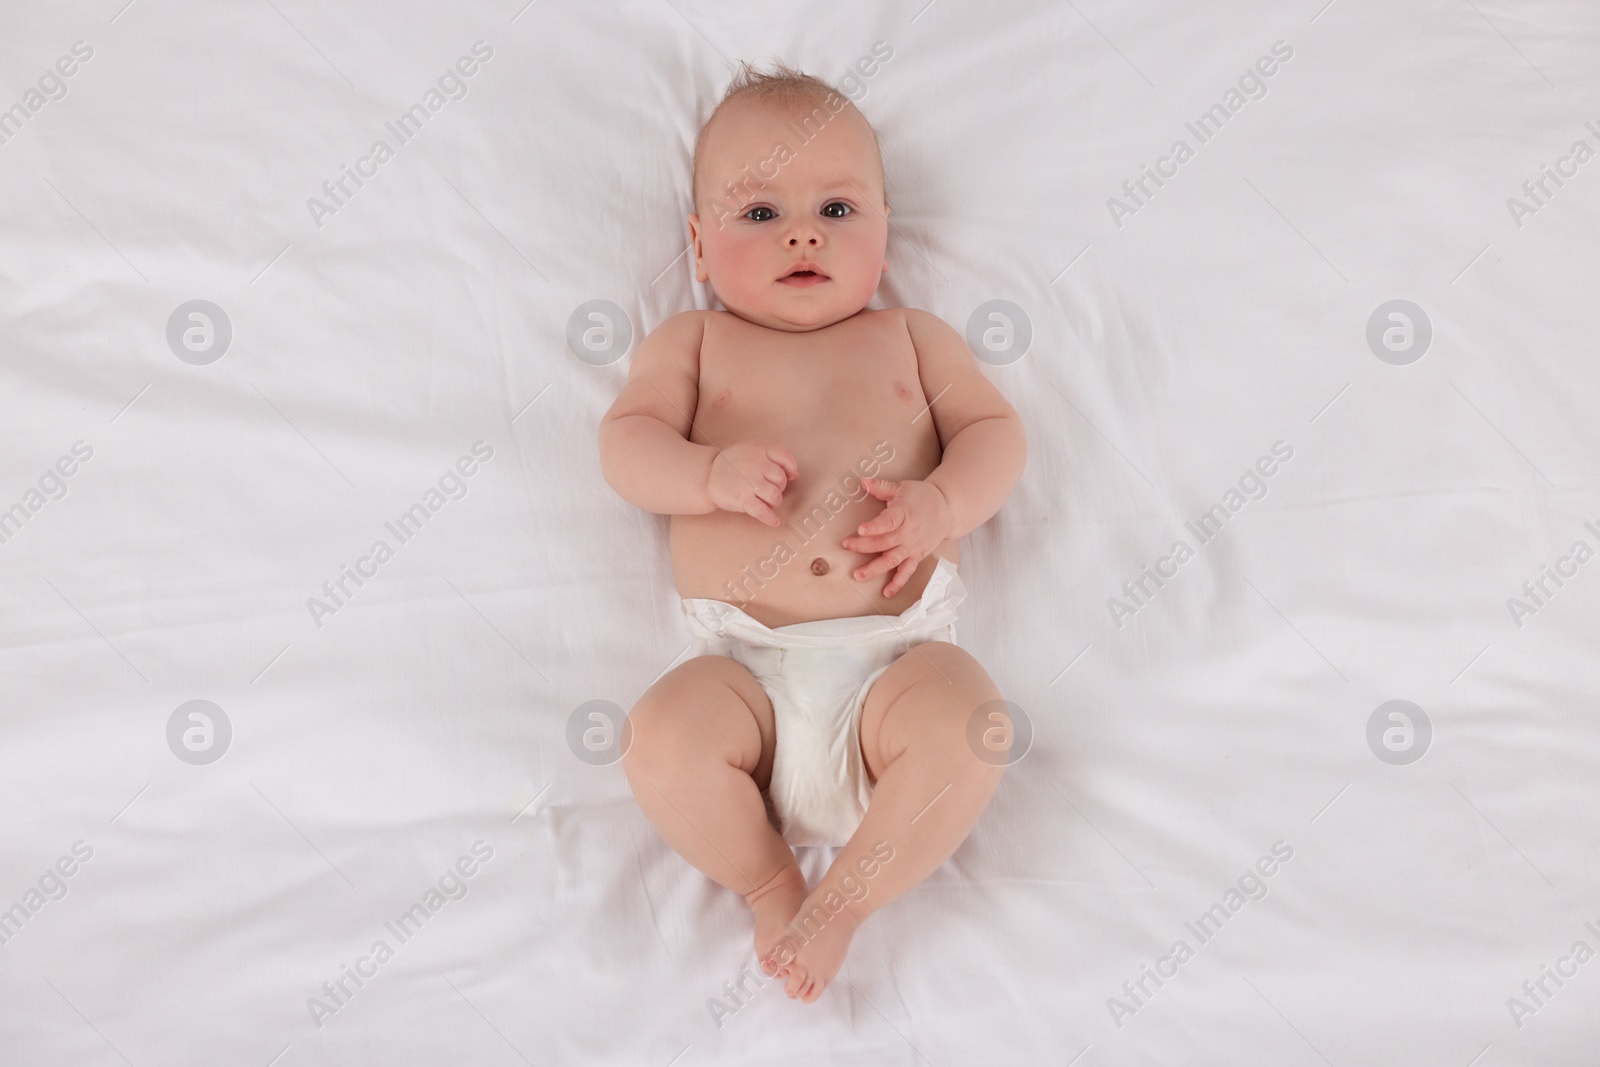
(781, 84)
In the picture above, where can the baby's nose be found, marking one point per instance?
(809, 240)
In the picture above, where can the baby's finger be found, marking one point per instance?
(785, 459)
(767, 493)
(890, 518)
(882, 488)
(760, 511)
(868, 545)
(879, 565)
(902, 575)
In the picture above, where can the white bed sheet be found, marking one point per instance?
(375, 744)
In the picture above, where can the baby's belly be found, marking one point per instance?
(798, 571)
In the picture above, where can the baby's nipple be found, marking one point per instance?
(819, 566)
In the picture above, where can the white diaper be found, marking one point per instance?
(817, 675)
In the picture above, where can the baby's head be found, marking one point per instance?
(787, 174)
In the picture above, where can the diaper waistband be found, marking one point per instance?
(936, 608)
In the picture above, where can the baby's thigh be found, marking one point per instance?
(930, 694)
(709, 708)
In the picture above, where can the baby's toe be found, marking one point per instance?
(796, 981)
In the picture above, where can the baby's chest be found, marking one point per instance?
(859, 381)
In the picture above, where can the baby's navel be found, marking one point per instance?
(819, 566)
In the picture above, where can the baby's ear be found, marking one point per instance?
(700, 274)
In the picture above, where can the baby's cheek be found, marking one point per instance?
(738, 264)
(868, 252)
(867, 275)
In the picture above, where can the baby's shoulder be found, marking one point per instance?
(884, 319)
(922, 328)
(909, 319)
(683, 322)
(698, 323)
(679, 334)
(917, 319)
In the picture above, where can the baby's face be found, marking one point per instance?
(815, 204)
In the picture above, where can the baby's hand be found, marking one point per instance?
(750, 477)
(917, 519)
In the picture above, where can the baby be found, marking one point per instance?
(820, 461)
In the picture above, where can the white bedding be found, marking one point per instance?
(397, 768)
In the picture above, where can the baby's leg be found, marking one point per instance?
(703, 738)
(931, 788)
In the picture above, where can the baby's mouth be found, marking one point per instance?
(803, 276)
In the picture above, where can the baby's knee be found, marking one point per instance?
(960, 706)
(659, 736)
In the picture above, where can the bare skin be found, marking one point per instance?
(841, 400)
(865, 443)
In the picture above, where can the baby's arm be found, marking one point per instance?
(984, 446)
(645, 453)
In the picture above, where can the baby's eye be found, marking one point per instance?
(752, 214)
(843, 210)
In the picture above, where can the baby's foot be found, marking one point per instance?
(774, 904)
(810, 964)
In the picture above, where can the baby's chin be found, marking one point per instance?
(797, 315)
(793, 319)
